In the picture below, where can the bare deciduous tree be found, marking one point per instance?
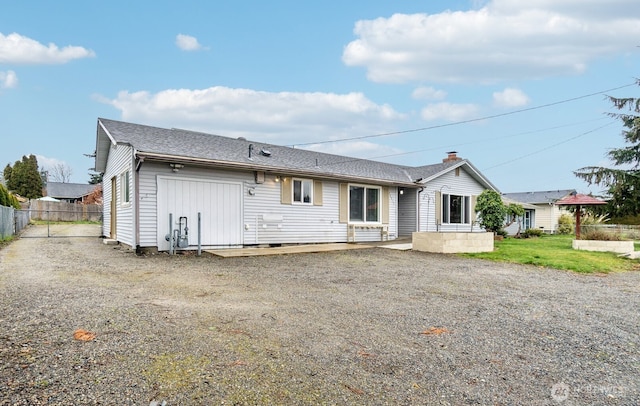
(60, 172)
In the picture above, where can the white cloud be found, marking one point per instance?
(188, 43)
(362, 149)
(428, 93)
(282, 118)
(46, 163)
(510, 97)
(8, 79)
(449, 112)
(505, 39)
(18, 49)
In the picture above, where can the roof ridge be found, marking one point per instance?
(176, 143)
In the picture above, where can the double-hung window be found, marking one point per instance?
(302, 191)
(456, 209)
(364, 204)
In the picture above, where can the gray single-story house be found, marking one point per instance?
(520, 223)
(69, 192)
(547, 212)
(249, 193)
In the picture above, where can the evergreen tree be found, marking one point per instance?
(621, 185)
(7, 174)
(4, 196)
(24, 178)
(7, 199)
(95, 179)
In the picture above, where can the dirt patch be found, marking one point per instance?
(369, 326)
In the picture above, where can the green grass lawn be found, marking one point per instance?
(554, 251)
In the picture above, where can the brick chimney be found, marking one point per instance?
(452, 156)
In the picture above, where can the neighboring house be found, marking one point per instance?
(250, 193)
(547, 212)
(69, 192)
(520, 223)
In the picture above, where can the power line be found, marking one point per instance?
(485, 140)
(347, 160)
(472, 120)
(548, 147)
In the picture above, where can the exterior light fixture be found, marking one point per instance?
(277, 178)
(176, 167)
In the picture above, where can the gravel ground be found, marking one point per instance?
(373, 326)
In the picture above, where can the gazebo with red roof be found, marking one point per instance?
(579, 200)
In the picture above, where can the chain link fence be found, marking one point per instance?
(12, 221)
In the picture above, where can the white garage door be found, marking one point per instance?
(220, 205)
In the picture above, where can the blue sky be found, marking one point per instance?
(329, 76)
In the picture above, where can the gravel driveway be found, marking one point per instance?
(374, 326)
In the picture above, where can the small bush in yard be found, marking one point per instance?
(502, 233)
(600, 235)
(532, 232)
(565, 224)
(589, 219)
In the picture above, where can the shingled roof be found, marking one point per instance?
(183, 146)
(541, 197)
(61, 190)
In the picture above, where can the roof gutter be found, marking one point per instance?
(266, 168)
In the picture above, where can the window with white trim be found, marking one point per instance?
(456, 209)
(302, 191)
(364, 204)
(125, 196)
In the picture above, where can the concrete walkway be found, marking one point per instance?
(400, 244)
(290, 249)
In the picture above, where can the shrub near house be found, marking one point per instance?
(492, 210)
(7, 199)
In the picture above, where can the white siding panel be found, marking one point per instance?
(119, 160)
(148, 200)
(547, 217)
(268, 221)
(265, 220)
(106, 205)
(448, 184)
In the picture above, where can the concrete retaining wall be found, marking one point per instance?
(620, 247)
(450, 243)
